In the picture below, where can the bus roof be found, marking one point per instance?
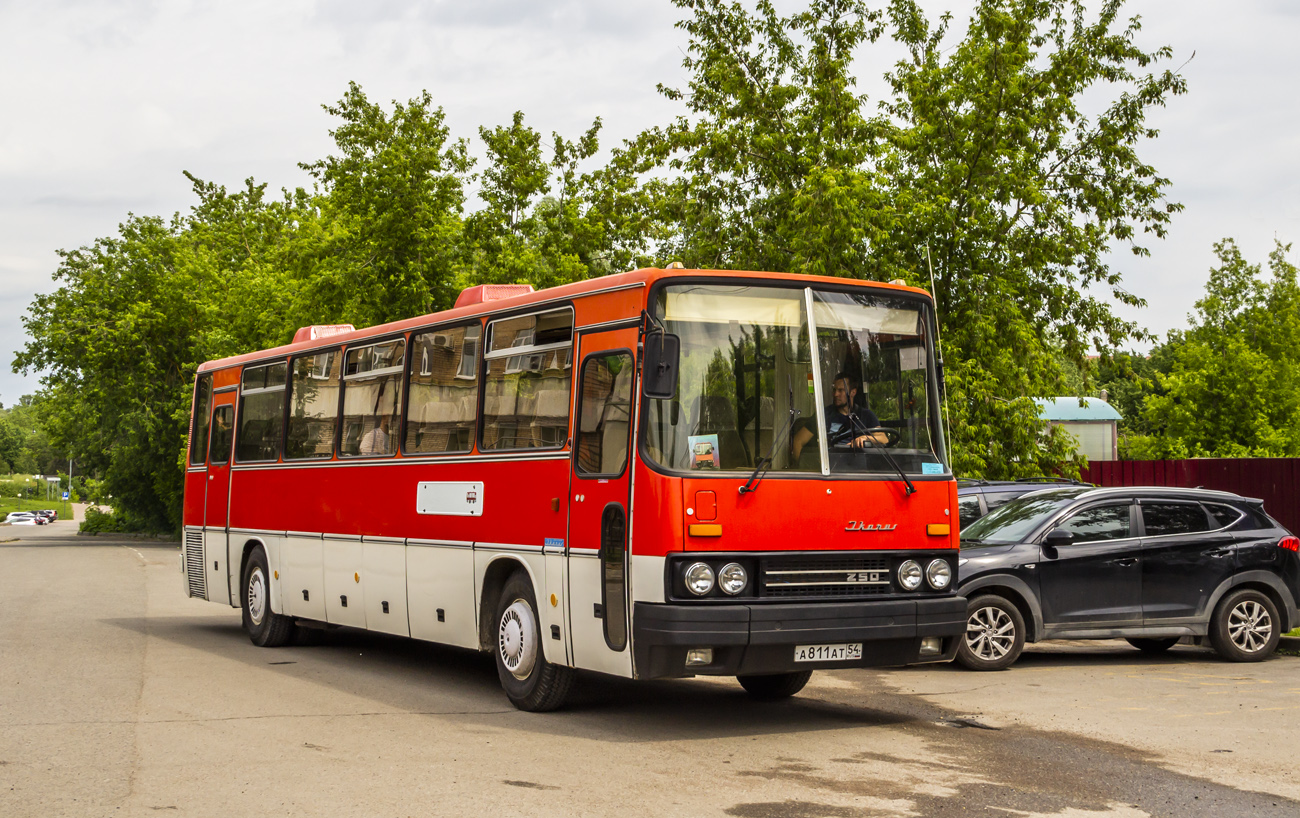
(643, 277)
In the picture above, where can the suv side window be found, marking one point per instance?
(1223, 516)
(1162, 519)
(1099, 523)
(1000, 499)
(968, 509)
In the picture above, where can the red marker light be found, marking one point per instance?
(1289, 543)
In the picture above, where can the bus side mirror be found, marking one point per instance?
(659, 365)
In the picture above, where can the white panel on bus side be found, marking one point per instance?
(441, 577)
(345, 602)
(214, 564)
(384, 576)
(274, 548)
(554, 615)
(457, 499)
(484, 556)
(303, 578)
(590, 651)
(648, 578)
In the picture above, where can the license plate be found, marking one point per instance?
(828, 653)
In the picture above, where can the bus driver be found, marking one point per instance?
(840, 417)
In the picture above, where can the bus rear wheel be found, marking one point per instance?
(265, 628)
(775, 686)
(531, 683)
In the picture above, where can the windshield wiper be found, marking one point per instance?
(760, 468)
(853, 417)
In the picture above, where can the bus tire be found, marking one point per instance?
(265, 628)
(775, 686)
(531, 683)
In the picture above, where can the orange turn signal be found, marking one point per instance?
(705, 530)
(938, 529)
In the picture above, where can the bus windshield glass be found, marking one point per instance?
(747, 361)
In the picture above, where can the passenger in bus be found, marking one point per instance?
(841, 415)
(376, 441)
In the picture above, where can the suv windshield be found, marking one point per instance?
(1013, 522)
(747, 361)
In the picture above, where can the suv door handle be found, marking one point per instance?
(1126, 562)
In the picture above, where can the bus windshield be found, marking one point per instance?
(747, 361)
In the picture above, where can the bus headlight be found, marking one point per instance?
(938, 574)
(732, 579)
(909, 575)
(699, 578)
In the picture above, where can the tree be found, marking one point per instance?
(982, 169)
(11, 443)
(1230, 386)
(541, 223)
(391, 202)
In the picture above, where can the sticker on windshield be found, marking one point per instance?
(931, 468)
(704, 451)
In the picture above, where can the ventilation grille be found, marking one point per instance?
(194, 573)
(832, 575)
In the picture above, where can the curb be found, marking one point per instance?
(117, 535)
(1289, 642)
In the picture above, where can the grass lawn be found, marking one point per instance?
(8, 504)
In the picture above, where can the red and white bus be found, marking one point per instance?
(656, 474)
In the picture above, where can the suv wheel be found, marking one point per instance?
(1245, 627)
(995, 634)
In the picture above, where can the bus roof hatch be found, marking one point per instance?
(491, 292)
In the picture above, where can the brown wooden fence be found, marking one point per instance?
(1275, 480)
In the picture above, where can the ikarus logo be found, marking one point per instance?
(858, 525)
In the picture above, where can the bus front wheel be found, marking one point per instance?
(266, 628)
(531, 683)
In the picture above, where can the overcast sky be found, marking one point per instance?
(105, 103)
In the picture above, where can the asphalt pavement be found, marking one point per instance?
(120, 696)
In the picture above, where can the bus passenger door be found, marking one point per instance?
(598, 502)
(216, 506)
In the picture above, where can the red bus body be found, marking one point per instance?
(352, 540)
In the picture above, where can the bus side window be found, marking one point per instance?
(261, 413)
(605, 414)
(372, 399)
(442, 402)
(199, 427)
(313, 406)
(529, 381)
(222, 431)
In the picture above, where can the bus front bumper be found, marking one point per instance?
(760, 639)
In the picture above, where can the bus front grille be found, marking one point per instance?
(194, 573)
(831, 575)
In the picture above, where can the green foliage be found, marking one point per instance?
(1230, 385)
(11, 443)
(390, 200)
(101, 522)
(982, 171)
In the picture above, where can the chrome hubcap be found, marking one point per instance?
(990, 633)
(256, 596)
(1249, 626)
(516, 639)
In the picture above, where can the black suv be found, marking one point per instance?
(1147, 564)
(975, 498)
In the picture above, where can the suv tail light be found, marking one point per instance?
(1289, 543)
